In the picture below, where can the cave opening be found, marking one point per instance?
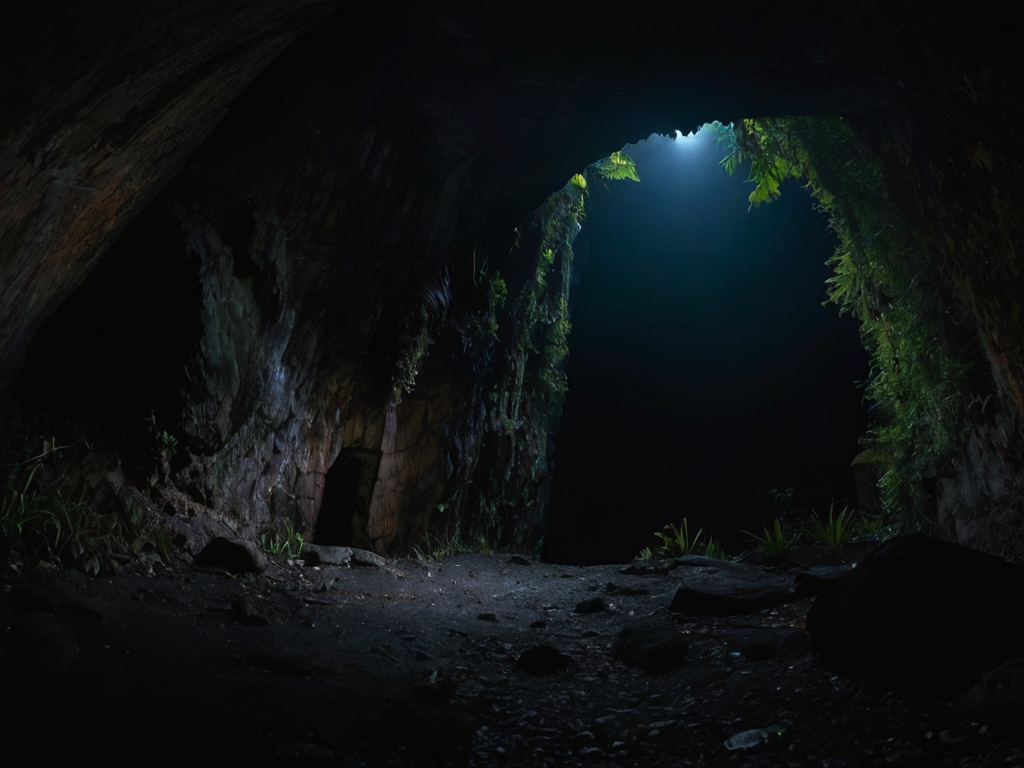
(109, 365)
(704, 370)
(348, 485)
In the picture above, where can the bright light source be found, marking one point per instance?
(684, 139)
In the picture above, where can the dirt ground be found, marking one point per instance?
(414, 663)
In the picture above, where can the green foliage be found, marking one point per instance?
(167, 444)
(579, 180)
(287, 542)
(616, 167)
(55, 520)
(834, 532)
(713, 548)
(772, 160)
(450, 543)
(774, 541)
(677, 542)
(913, 324)
(18, 510)
(645, 554)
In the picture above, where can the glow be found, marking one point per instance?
(687, 139)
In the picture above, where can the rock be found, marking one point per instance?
(234, 555)
(754, 738)
(761, 644)
(518, 560)
(582, 739)
(651, 646)
(645, 567)
(727, 588)
(814, 581)
(921, 613)
(538, 624)
(317, 554)
(487, 617)
(542, 660)
(999, 698)
(365, 557)
(593, 605)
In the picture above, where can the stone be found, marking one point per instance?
(234, 555)
(651, 646)
(725, 588)
(582, 739)
(317, 554)
(542, 660)
(367, 558)
(921, 613)
(814, 581)
(487, 617)
(593, 605)
(518, 560)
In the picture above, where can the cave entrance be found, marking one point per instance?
(109, 364)
(345, 506)
(704, 370)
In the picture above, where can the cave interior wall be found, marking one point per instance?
(337, 196)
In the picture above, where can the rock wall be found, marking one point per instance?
(351, 207)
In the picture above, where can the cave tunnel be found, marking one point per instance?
(308, 314)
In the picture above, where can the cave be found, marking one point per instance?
(703, 369)
(287, 361)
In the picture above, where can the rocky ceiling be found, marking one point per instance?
(339, 186)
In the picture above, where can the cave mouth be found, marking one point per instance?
(704, 370)
(109, 365)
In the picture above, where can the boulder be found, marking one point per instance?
(724, 588)
(650, 646)
(921, 613)
(234, 555)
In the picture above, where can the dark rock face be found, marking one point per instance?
(102, 108)
(349, 215)
(922, 613)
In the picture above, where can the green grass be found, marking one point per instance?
(287, 543)
(834, 532)
(677, 542)
(713, 548)
(54, 519)
(774, 541)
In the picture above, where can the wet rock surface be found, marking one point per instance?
(390, 666)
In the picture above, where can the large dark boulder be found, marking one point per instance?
(921, 613)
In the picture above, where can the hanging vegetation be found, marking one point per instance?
(912, 324)
(526, 322)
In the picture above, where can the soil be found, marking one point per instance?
(414, 663)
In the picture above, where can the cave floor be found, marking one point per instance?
(395, 666)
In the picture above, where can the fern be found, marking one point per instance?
(617, 166)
